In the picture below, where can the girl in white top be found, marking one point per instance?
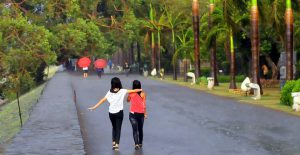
(115, 96)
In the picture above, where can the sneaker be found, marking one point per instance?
(140, 145)
(115, 147)
(136, 147)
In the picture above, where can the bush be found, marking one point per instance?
(285, 95)
(226, 78)
(240, 78)
(202, 80)
(205, 72)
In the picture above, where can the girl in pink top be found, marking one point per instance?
(137, 113)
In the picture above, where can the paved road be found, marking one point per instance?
(183, 121)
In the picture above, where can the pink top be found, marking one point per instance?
(137, 103)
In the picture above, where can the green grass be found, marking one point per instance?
(270, 99)
(9, 113)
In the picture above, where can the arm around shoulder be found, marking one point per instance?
(134, 91)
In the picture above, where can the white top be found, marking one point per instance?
(116, 100)
(85, 68)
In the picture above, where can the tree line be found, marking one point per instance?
(237, 36)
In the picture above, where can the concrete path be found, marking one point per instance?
(183, 121)
(53, 127)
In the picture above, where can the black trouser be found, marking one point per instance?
(137, 122)
(116, 121)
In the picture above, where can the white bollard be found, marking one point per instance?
(192, 75)
(153, 72)
(145, 73)
(211, 83)
(256, 90)
(244, 83)
(296, 101)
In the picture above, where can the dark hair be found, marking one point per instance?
(115, 83)
(136, 84)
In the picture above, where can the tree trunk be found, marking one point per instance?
(255, 44)
(289, 41)
(213, 59)
(196, 37)
(139, 56)
(274, 68)
(158, 51)
(153, 62)
(232, 63)
(185, 70)
(174, 64)
(132, 57)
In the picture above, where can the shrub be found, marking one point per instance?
(205, 72)
(226, 78)
(240, 78)
(285, 95)
(202, 80)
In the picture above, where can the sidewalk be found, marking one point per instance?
(53, 127)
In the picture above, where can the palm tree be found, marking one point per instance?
(152, 40)
(195, 10)
(255, 42)
(184, 49)
(289, 40)
(173, 22)
(213, 64)
(232, 63)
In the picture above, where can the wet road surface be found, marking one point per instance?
(183, 121)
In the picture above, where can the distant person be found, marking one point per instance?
(85, 71)
(110, 64)
(115, 96)
(126, 68)
(99, 72)
(137, 113)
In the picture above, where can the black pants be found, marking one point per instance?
(116, 121)
(137, 122)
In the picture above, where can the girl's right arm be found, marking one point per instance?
(98, 104)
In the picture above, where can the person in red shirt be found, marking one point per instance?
(137, 113)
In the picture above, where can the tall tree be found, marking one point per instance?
(173, 22)
(153, 62)
(213, 61)
(255, 42)
(195, 9)
(232, 63)
(289, 40)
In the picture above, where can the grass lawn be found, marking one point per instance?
(270, 99)
(9, 113)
